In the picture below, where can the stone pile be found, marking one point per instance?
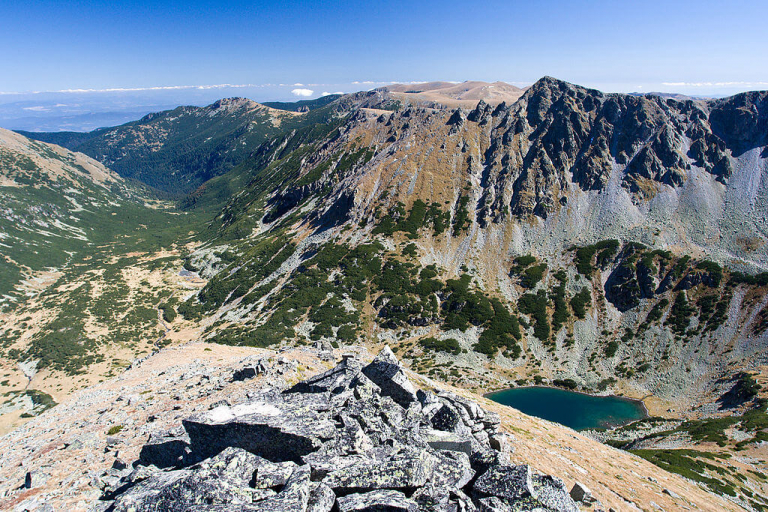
(355, 438)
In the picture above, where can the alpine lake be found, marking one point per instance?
(578, 411)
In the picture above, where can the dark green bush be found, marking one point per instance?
(580, 301)
(714, 270)
(532, 275)
(502, 331)
(605, 250)
(449, 345)
(560, 313)
(680, 314)
(565, 383)
(535, 305)
(461, 221)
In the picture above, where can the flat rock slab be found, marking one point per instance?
(377, 501)
(279, 432)
(396, 473)
(441, 440)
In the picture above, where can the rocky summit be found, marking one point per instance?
(354, 438)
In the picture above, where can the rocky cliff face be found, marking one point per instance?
(562, 164)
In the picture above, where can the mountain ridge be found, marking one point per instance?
(177, 150)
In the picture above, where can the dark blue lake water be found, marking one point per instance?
(575, 410)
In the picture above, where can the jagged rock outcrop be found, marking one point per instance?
(358, 438)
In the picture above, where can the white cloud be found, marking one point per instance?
(161, 88)
(297, 84)
(302, 92)
(326, 93)
(37, 109)
(715, 84)
(140, 89)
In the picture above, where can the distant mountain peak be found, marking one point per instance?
(235, 103)
(465, 94)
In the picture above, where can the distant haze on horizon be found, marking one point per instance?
(85, 110)
(96, 57)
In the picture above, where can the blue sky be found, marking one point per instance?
(702, 47)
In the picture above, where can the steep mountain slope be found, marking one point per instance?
(177, 150)
(54, 202)
(605, 242)
(87, 263)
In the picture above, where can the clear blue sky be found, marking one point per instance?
(613, 45)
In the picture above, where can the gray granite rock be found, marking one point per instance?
(452, 470)
(552, 494)
(273, 474)
(580, 492)
(321, 498)
(400, 471)
(35, 479)
(335, 380)
(385, 371)
(224, 479)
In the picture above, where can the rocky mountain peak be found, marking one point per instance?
(229, 104)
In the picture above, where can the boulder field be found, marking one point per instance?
(354, 438)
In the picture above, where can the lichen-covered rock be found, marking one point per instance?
(295, 494)
(452, 470)
(223, 479)
(272, 474)
(407, 469)
(552, 494)
(446, 418)
(509, 482)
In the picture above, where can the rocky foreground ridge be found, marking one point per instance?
(355, 438)
(79, 455)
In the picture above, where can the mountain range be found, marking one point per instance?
(491, 236)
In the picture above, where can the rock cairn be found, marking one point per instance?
(355, 438)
